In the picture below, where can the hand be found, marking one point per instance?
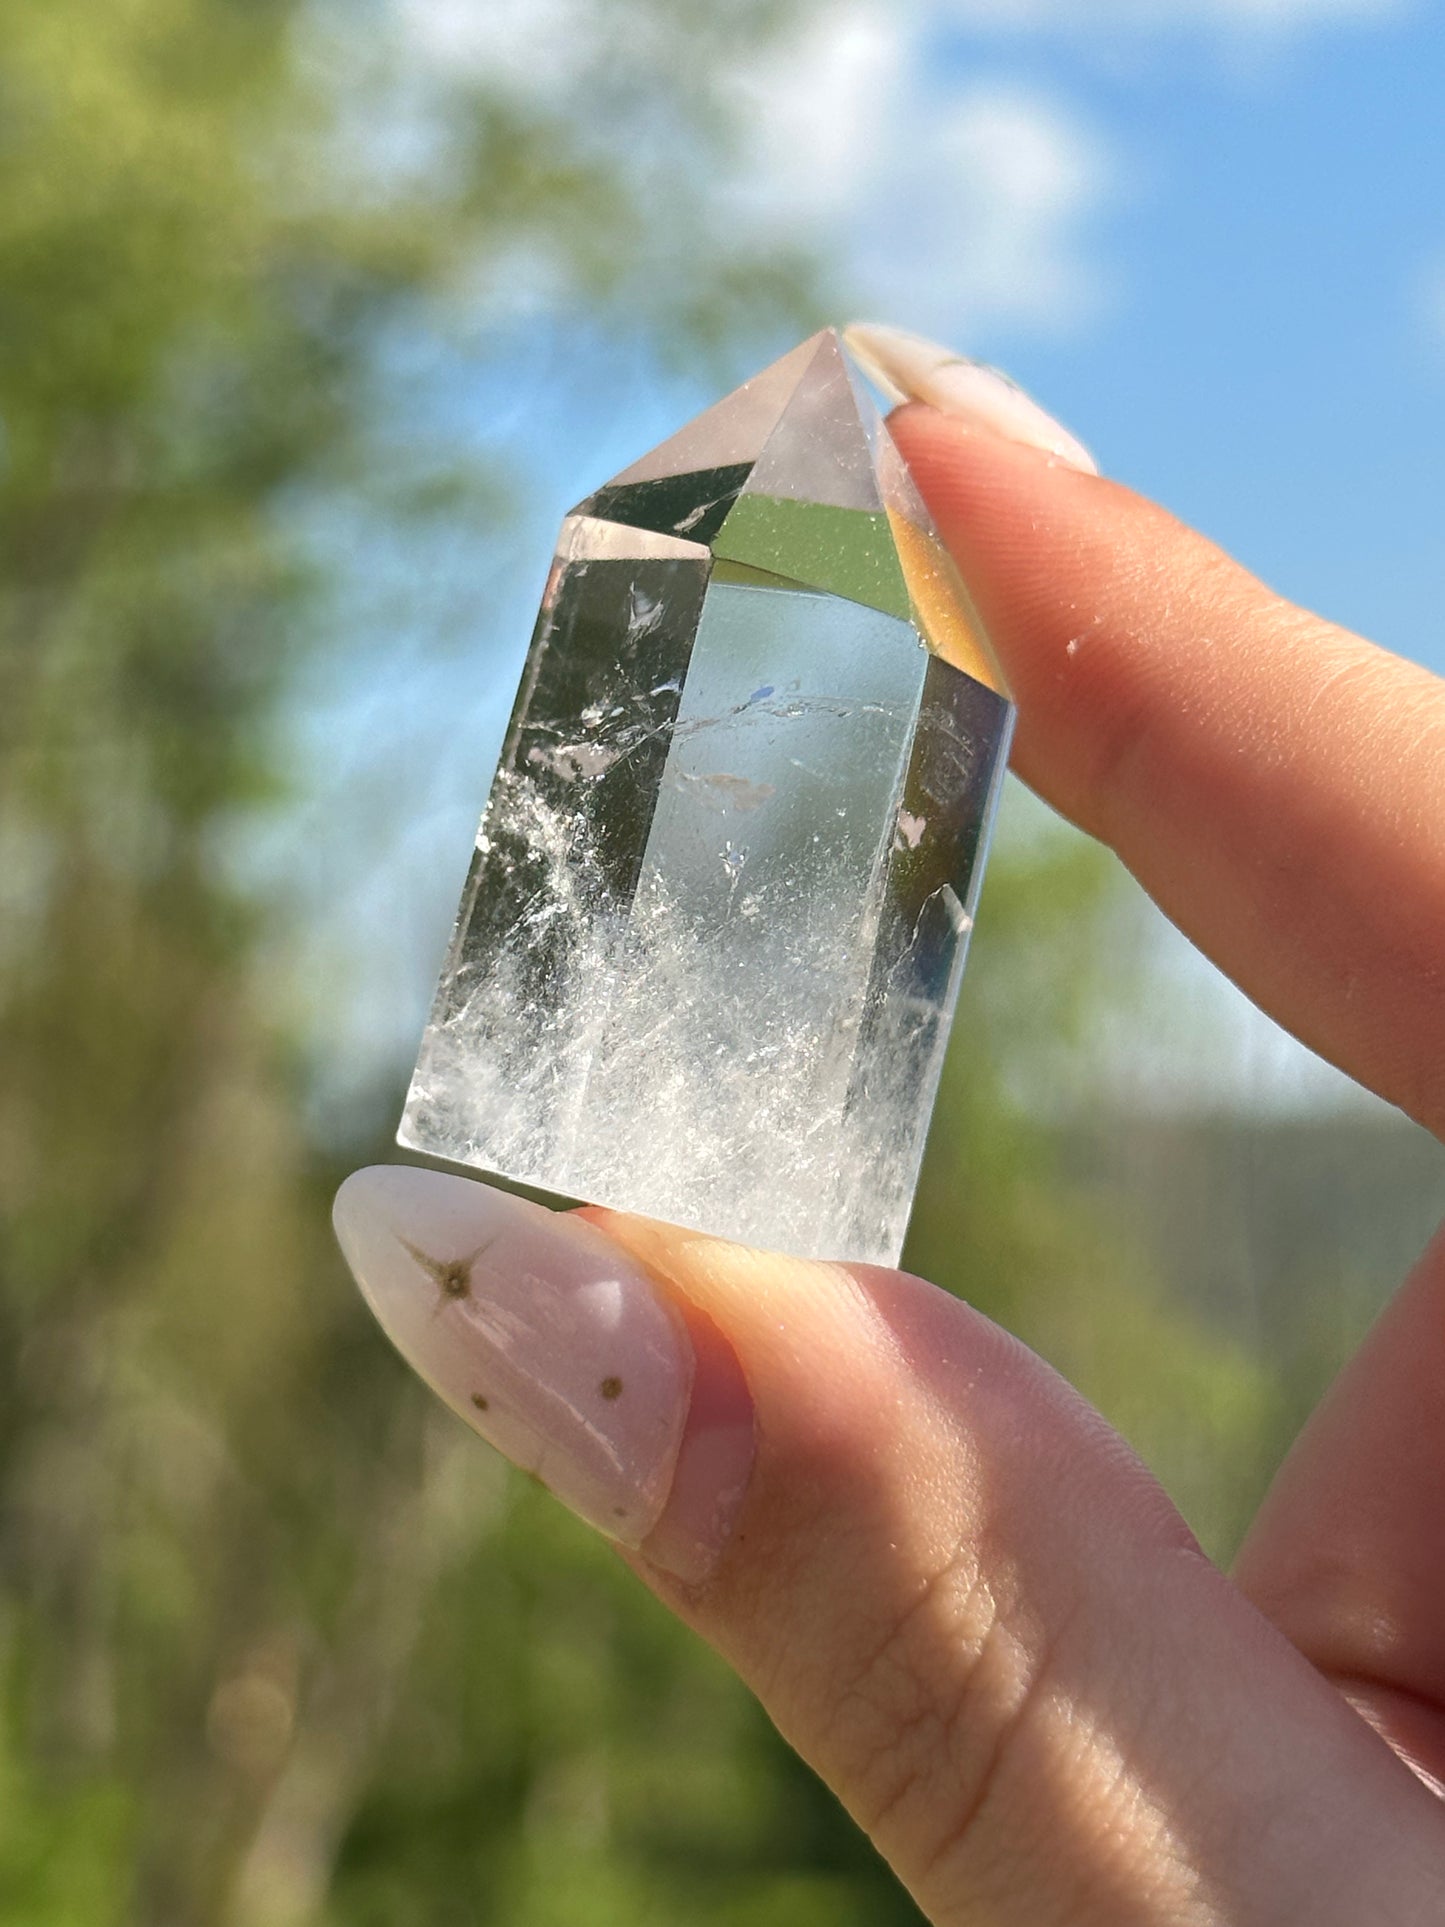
(952, 1586)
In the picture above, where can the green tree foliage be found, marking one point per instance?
(278, 1644)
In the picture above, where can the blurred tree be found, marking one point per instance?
(214, 221)
(277, 1644)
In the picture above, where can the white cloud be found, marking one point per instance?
(950, 208)
(815, 112)
(985, 218)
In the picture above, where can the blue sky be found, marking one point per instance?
(1268, 355)
(1209, 234)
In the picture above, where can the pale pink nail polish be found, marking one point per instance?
(907, 367)
(714, 1460)
(551, 1342)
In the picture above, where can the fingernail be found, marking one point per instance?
(909, 368)
(560, 1350)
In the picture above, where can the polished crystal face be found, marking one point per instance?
(711, 939)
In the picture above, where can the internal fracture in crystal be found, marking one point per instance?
(711, 940)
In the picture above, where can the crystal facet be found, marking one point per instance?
(711, 940)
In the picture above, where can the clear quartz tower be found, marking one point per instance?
(711, 940)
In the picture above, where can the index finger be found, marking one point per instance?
(1274, 782)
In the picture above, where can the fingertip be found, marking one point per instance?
(963, 389)
(961, 1599)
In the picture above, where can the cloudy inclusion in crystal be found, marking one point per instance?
(710, 943)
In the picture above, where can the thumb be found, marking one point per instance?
(954, 1589)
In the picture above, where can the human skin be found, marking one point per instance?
(953, 1587)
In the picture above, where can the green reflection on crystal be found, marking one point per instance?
(847, 552)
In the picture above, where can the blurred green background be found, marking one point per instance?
(291, 296)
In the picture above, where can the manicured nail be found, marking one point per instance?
(909, 368)
(555, 1345)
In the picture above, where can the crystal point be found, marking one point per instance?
(711, 940)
